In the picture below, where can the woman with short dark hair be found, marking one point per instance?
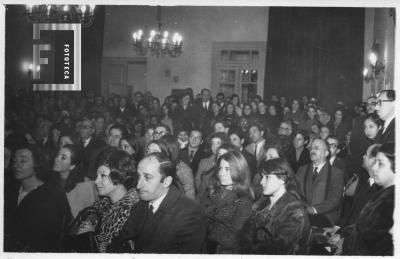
(37, 211)
(116, 183)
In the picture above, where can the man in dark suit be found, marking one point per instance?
(164, 221)
(193, 153)
(385, 108)
(322, 186)
(186, 115)
(123, 110)
(203, 111)
(334, 149)
(257, 145)
(45, 141)
(91, 146)
(236, 138)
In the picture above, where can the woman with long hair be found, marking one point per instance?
(166, 119)
(310, 118)
(339, 125)
(81, 192)
(298, 154)
(236, 102)
(281, 226)
(206, 165)
(116, 183)
(273, 118)
(130, 144)
(228, 202)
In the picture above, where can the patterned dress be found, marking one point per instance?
(108, 217)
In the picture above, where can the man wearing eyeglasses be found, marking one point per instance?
(322, 185)
(91, 146)
(335, 147)
(161, 130)
(385, 107)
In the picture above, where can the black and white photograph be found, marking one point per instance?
(199, 128)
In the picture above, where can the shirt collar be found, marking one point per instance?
(86, 142)
(192, 149)
(371, 181)
(319, 167)
(156, 203)
(332, 159)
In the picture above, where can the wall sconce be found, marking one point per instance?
(376, 67)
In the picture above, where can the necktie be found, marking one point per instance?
(191, 155)
(314, 174)
(255, 150)
(150, 213)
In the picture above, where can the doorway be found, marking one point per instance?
(123, 75)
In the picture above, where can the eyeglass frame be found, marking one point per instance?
(379, 102)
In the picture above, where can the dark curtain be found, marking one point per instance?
(316, 52)
(92, 52)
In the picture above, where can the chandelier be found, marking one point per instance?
(157, 44)
(82, 14)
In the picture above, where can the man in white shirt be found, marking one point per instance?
(322, 185)
(164, 221)
(385, 108)
(257, 145)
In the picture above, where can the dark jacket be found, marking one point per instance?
(37, 224)
(226, 213)
(370, 234)
(326, 192)
(90, 154)
(197, 157)
(341, 130)
(178, 226)
(251, 161)
(118, 113)
(283, 229)
(303, 159)
(363, 193)
(389, 134)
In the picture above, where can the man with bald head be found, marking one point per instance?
(385, 107)
(322, 185)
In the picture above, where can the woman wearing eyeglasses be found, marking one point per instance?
(282, 226)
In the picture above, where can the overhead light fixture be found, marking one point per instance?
(158, 43)
(83, 14)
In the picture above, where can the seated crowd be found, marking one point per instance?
(197, 175)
